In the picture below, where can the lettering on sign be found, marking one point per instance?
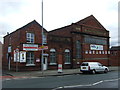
(96, 47)
(30, 47)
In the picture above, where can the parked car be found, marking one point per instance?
(93, 67)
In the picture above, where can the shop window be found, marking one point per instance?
(78, 49)
(53, 57)
(67, 56)
(30, 58)
(30, 37)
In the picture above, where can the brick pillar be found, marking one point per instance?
(60, 61)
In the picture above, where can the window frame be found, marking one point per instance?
(30, 37)
(31, 59)
(53, 57)
(78, 49)
(67, 56)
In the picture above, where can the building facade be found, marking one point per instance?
(0, 55)
(85, 40)
(114, 56)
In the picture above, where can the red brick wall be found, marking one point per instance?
(114, 58)
(18, 38)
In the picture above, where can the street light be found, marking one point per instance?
(42, 41)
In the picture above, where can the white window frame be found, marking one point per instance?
(67, 51)
(30, 58)
(53, 51)
(30, 38)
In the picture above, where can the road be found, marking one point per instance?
(108, 80)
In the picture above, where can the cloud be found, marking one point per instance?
(58, 13)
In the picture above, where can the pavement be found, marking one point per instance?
(45, 73)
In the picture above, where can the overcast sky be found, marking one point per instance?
(58, 13)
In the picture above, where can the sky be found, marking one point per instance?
(58, 13)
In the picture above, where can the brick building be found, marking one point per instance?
(114, 56)
(85, 40)
(0, 55)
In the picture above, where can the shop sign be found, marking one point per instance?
(43, 48)
(9, 49)
(96, 47)
(37, 60)
(30, 47)
(22, 56)
(16, 56)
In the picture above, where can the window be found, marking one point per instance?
(30, 37)
(108, 52)
(93, 52)
(90, 52)
(95, 40)
(78, 49)
(67, 56)
(103, 52)
(86, 52)
(96, 52)
(30, 58)
(100, 52)
(44, 38)
(53, 57)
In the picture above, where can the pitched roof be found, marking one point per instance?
(0, 42)
(115, 48)
(32, 22)
(91, 21)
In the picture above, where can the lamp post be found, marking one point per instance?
(42, 41)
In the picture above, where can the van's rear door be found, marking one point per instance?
(84, 67)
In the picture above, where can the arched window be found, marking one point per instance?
(67, 56)
(52, 57)
(78, 49)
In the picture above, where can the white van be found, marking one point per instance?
(93, 67)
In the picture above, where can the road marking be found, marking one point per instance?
(73, 86)
(111, 80)
(76, 86)
(57, 88)
(97, 83)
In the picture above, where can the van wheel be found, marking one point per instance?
(106, 70)
(93, 71)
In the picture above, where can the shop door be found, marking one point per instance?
(45, 63)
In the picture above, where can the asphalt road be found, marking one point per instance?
(108, 80)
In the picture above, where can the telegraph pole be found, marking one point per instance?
(42, 41)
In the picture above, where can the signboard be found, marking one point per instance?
(30, 47)
(43, 48)
(37, 60)
(9, 49)
(16, 56)
(22, 56)
(96, 47)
